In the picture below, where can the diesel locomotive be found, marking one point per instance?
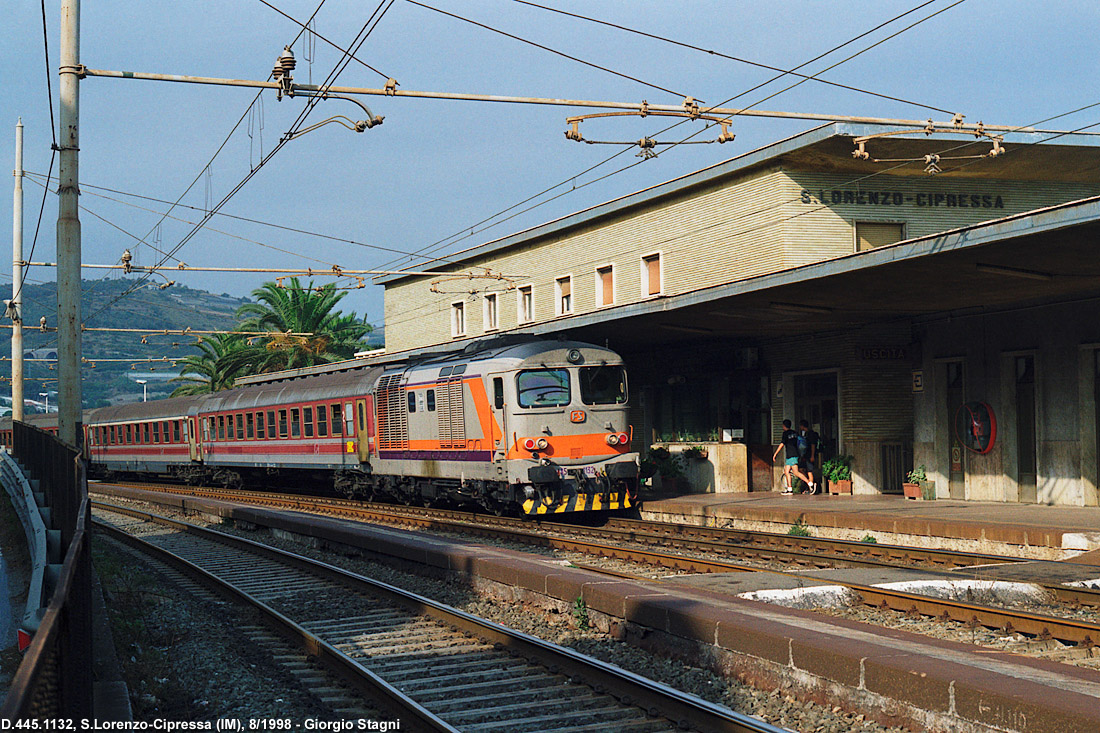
(510, 424)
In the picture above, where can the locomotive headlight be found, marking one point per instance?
(623, 438)
(613, 439)
(574, 356)
(542, 443)
(530, 444)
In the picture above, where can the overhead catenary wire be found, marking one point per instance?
(547, 48)
(210, 162)
(467, 232)
(439, 306)
(719, 54)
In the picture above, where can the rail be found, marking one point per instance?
(54, 679)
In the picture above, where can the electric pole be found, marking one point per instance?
(68, 229)
(15, 308)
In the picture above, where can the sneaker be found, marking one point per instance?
(787, 491)
(815, 488)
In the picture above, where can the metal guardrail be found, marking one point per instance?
(55, 678)
(42, 551)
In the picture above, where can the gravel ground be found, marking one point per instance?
(779, 707)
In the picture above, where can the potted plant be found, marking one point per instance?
(912, 488)
(663, 462)
(838, 472)
(696, 452)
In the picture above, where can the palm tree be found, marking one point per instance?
(205, 372)
(290, 310)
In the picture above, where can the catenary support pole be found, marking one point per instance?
(68, 229)
(16, 311)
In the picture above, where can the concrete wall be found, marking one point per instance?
(1063, 341)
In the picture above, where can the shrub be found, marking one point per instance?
(838, 468)
(916, 475)
(799, 530)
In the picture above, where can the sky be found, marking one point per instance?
(427, 179)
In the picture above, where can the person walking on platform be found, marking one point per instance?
(808, 444)
(789, 441)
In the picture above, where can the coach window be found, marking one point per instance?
(498, 392)
(145, 433)
(221, 427)
(176, 430)
(336, 419)
(271, 424)
(166, 431)
(211, 429)
(156, 432)
(260, 425)
(229, 429)
(129, 434)
(431, 400)
(412, 401)
(240, 426)
(322, 421)
(111, 434)
(307, 421)
(250, 426)
(295, 423)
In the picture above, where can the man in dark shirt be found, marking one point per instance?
(810, 457)
(789, 441)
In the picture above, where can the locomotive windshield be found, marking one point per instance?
(603, 385)
(543, 387)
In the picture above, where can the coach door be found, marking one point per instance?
(497, 401)
(191, 434)
(361, 432)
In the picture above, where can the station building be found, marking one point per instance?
(830, 277)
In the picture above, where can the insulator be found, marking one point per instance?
(287, 60)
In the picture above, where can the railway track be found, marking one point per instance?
(728, 543)
(441, 668)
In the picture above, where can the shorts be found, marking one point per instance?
(792, 462)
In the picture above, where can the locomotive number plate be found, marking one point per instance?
(590, 471)
(563, 473)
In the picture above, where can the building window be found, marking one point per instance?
(491, 314)
(563, 295)
(651, 274)
(871, 234)
(526, 306)
(605, 286)
(458, 319)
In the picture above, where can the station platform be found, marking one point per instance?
(1022, 530)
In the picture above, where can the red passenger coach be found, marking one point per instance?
(509, 424)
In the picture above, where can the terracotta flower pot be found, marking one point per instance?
(840, 487)
(911, 491)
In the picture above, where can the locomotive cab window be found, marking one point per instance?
(603, 385)
(543, 387)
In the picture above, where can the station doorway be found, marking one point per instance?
(817, 401)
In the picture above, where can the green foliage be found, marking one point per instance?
(660, 460)
(205, 372)
(295, 309)
(869, 539)
(798, 529)
(580, 613)
(838, 468)
(916, 475)
(695, 452)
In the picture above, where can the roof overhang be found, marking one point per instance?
(1048, 255)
